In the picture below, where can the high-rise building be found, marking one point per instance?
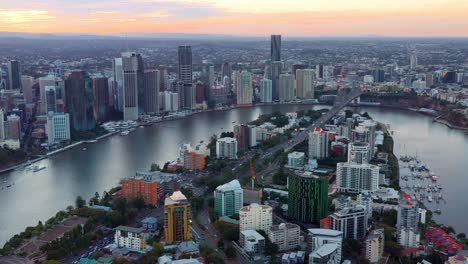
(265, 91)
(245, 135)
(185, 64)
(285, 235)
(379, 75)
(13, 127)
(162, 78)
(245, 91)
(308, 197)
(375, 245)
(295, 67)
(352, 221)
(50, 80)
(226, 148)
(276, 68)
(14, 75)
(286, 87)
(358, 152)
(133, 70)
(365, 132)
(318, 144)
(319, 71)
(226, 70)
(118, 83)
(79, 101)
(27, 83)
(2, 125)
(57, 127)
(199, 93)
(176, 218)
(101, 105)
(407, 221)
(50, 99)
(275, 48)
(251, 241)
(305, 83)
(211, 76)
(256, 217)
(228, 198)
(354, 177)
(131, 238)
(317, 237)
(151, 91)
(413, 61)
(150, 186)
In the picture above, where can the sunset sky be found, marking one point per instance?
(240, 17)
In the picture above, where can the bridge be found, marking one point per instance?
(343, 98)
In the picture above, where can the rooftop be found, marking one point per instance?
(324, 232)
(130, 229)
(283, 226)
(325, 250)
(252, 233)
(176, 198)
(230, 186)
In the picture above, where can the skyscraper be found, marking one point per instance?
(132, 65)
(286, 87)
(275, 48)
(162, 78)
(79, 101)
(407, 221)
(413, 61)
(305, 83)
(352, 221)
(151, 91)
(14, 75)
(379, 75)
(227, 71)
(228, 198)
(185, 64)
(57, 127)
(118, 84)
(307, 197)
(276, 68)
(51, 99)
(176, 218)
(100, 99)
(265, 91)
(318, 144)
(256, 217)
(50, 80)
(354, 177)
(319, 71)
(245, 91)
(27, 83)
(2, 125)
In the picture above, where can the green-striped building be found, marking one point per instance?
(307, 197)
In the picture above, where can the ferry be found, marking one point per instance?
(38, 168)
(125, 133)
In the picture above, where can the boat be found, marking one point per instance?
(438, 211)
(434, 178)
(124, 133)
(84, 149)
(9, 185)
(38, 168)
(429, 198)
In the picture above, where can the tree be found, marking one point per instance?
(221, 244)
(120, 204)
(155, 167)
(51, 262)
(230, 252)
(139, 203)
(461, 236)
(80, 202)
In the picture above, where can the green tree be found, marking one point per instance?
(120, 204)
(461, 236)
(155, 167)
(51, 262)
(80, 202)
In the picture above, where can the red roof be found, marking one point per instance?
(406, 196)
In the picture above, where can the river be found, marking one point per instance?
(37, 196)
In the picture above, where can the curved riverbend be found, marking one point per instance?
(38, 196)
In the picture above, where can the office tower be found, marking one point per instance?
(50, 80)
(308, 197)
(14, 75)
(185, 64)
(162, 78)
(187, 96)
(295, 67)
(101, 99)
(27, 83)
(226, 70)
(235, 77)
(358, 152)
(2, 126)
(151, 91)
(228, 198)
(318, 144)
(449, 77)
(319, 71)
(296, 160)
(13, 127)
(132, 66)
(111, 91)
(429, 79)
(226, 148)
(413, 61)
(119, 83)
(246, 136)
(79, 101)
(286, 87)
(265, 91)
(352, 221)
(211, 76)
(57, 128)
(199, 93)
(365, 200)
(285, 235)
(275, 48)
(256, 217)
(176, 218)
(375, 245)
(365, 132)
(267, 70)
(318, 237)
(407, 221)
(51, 99)
(379, 75)
(276, 68)
(245, 91)
(354, 177)
(305, 83)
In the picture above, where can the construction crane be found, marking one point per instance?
(252, 172)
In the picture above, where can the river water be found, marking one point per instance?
(37, 196)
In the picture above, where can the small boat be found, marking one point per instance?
(9, 185)
(142, 126)
(438, 211)
(124, 133)
(38, 168)
(434, 178)
(84, 149)
(429, 198)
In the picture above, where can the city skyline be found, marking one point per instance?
(297, 18)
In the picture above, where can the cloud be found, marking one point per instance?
(14, 16)
(154, 14)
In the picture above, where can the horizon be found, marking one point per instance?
(298, 18)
